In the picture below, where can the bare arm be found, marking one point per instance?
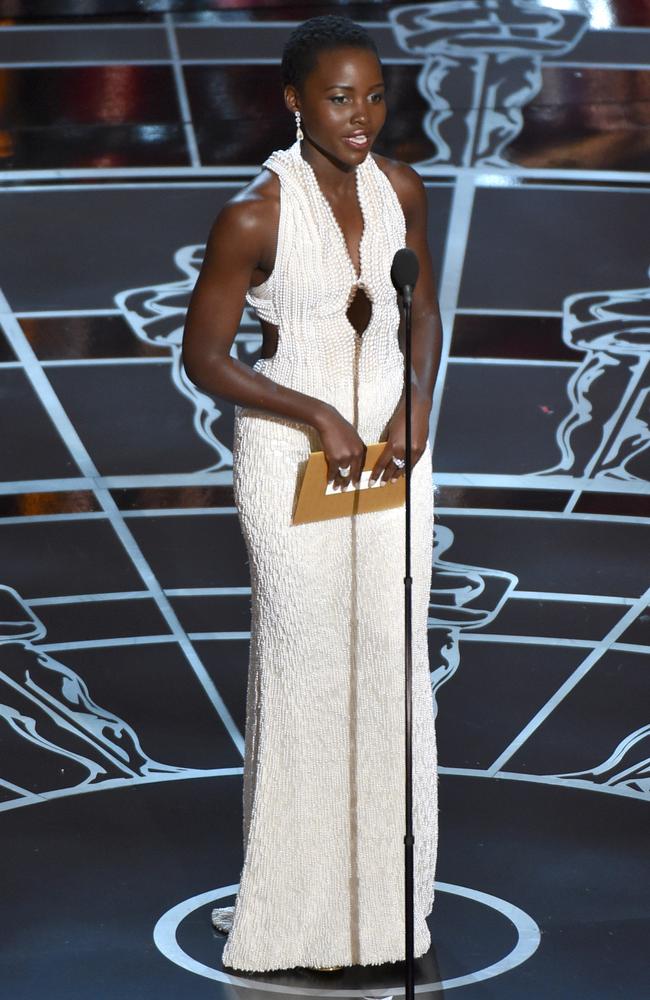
(426, 330)
(426, 342)
(235, 248)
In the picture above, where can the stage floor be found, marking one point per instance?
(124, 586)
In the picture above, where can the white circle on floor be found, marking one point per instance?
(528, 940)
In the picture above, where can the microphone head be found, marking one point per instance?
(405, 269)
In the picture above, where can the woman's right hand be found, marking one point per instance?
(342, 446)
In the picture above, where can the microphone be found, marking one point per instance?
(404, 272)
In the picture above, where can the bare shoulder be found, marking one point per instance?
(252, 214)
(407, 184)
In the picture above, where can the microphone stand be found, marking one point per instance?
(407, 293)
(404, 274)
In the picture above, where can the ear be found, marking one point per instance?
(291, 99)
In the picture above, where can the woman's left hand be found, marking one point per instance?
(395, 447)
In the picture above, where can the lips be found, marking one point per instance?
(359, 140)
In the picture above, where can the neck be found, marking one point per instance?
(330, 171)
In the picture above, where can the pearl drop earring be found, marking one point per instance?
(299, 132)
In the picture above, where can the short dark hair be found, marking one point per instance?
(320, 34)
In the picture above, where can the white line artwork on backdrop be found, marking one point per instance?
(628, 766)
(465, 599)
(462, 598)
(483, 63)
(607, 432)
(156, 315)
(49, 706)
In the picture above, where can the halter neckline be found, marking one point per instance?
(313, 180)
(313, 282)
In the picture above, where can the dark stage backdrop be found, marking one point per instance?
(124, 586)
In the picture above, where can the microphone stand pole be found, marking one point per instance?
(408, 664)
(404, 274)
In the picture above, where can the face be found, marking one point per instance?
(341, 103)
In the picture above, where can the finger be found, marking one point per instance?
(332, 471)
(399, 460)
(341, 480)
(357, 467)
(391, 472)
(334, 476)
(381, 463)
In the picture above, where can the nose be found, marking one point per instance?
(360, 113)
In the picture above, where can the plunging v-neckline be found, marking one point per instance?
(357, 275)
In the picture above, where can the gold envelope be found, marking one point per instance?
(316, 504)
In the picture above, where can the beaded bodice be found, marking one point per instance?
(314, 280)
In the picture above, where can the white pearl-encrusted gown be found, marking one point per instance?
(324, 815)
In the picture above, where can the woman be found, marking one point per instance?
(309, 245)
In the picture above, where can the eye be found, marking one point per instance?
(338, 98)
(377, 98)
